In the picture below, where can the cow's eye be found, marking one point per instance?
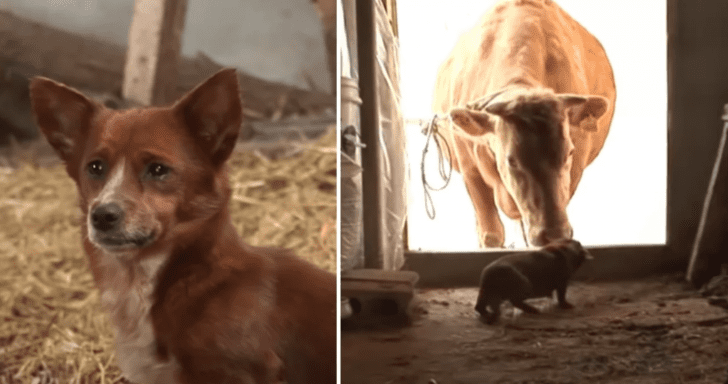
(570, 155)
(512, 162)
(158, 171)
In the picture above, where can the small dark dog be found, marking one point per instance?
(527, 275)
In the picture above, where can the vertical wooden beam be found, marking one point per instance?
(155, 40)
(672, 36)
(371, 154)
(327, 13)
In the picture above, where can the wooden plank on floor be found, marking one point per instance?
(155, 35)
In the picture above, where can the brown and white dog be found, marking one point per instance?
(189, 300)
(526, 275)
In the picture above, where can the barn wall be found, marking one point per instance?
(277, 40)
(698, 88)
(394, 150)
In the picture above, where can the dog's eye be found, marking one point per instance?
(157, 171)
(96, 168)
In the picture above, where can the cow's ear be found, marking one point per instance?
(500, 108)
(583, 111)
(472, 123)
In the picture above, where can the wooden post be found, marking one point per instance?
(327, 13)
(710, 244)
(155, 36)
(370, 130)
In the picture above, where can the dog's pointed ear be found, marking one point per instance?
(62, 113)
(213, 113)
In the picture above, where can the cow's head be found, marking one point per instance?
(528, 133)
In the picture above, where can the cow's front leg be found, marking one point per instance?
(490, 229)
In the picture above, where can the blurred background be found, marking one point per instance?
(283, 50)
(276, 40)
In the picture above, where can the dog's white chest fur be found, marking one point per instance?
(128, 301)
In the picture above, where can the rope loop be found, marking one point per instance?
(432, 131)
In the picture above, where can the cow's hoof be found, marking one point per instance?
(491, 240)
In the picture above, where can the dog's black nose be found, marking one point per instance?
(106, 217)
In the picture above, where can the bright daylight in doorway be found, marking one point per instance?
(621, 198)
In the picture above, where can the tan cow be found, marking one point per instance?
(530, 94)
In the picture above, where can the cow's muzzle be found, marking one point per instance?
(541, 237)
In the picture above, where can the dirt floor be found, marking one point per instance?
(656, 330)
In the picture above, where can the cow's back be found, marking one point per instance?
(530, 43)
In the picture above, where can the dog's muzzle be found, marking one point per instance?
(107, 223)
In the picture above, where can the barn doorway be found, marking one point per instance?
(621, 199)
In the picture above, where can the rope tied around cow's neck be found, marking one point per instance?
(431, 130)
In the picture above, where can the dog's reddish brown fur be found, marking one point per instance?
(189, 300)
